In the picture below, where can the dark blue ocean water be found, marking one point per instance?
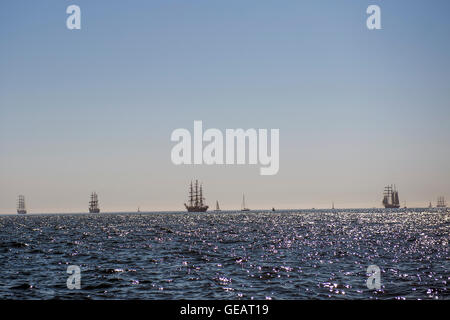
(311, 254)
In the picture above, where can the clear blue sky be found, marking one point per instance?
(93, 109)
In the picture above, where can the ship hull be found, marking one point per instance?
(94, 210)
(392, 206)
(22, 211)
(196, 209)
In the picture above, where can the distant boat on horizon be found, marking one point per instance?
(93, 204)
(441, 202)
(21, 205)
(217, 206)
(390, 197)
(196, 199)
(243, 207)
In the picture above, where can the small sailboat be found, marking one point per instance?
(243, 207)
(217, 206)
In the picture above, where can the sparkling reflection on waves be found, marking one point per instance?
(229, 255)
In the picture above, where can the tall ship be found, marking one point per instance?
(93, 204)
(390, 197)
(441, 203)
(196, 198)
(21, 205)
(243, 207)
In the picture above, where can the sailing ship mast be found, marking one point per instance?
(201, 196)
(243, 207)
(93, 204)
(191, 196)
(196, 193)
(21, 205)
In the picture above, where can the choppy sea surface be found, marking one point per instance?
(307, 254)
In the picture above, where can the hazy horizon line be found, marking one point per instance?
(227, 210)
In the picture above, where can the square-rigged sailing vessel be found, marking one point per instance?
(441, 202)
(196, 199)
(390, 198)
(93, 204)
(21, 205)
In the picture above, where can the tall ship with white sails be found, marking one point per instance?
(390, 197)
(196, 198)
(21, 209)
(93, 204)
